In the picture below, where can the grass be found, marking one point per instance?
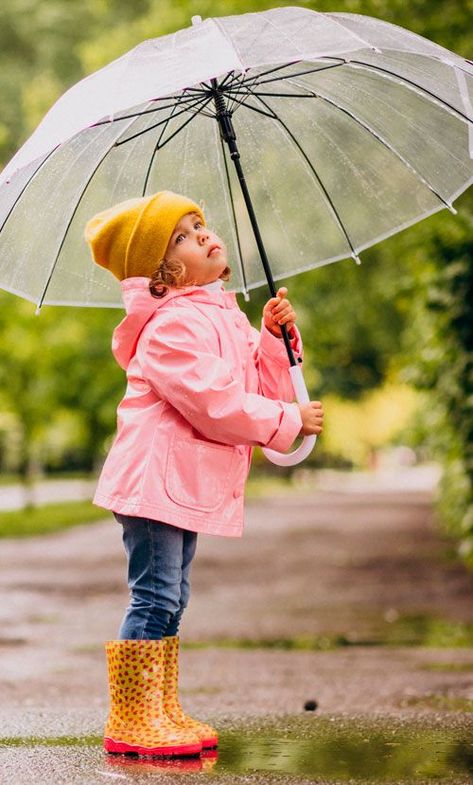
(48, 518)
(309, 643)
(51, 741)
(424, 630)
(438, 702)
(448, 667)
(15, 479)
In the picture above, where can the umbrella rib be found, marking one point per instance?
(386, 144)
(166, 120)
(192, 117)
(254, 108)
(246, 82)
(230, 74)
(188, 99)
(368, 66)
(415, 85)
(264, 73)
(238, 80)
(328, 199)
(26, 186)
(232, 101)
(234, 80)
(281, 95)
(163, 131)
(197, 90)
(71, 218)
(235, 223)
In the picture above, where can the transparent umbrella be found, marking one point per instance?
(308, 137)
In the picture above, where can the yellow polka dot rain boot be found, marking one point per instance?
(172, 706)
(137, 722)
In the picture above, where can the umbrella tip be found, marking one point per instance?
(38, 310)
(356, 258)
(452, 209)
(196, 20)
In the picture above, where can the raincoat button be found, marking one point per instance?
(236, 493)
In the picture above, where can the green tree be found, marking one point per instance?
(438, 357)
(56, 362)
(407, 309)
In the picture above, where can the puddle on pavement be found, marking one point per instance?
(328, 749)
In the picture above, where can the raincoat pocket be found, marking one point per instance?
(198, 473)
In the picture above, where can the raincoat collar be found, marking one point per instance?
(141, 306)
(136, 290)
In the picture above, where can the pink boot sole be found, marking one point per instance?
(110, 745)
(210, 742)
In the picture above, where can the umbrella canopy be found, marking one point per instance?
(349, 129)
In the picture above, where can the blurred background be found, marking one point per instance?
(389, 345)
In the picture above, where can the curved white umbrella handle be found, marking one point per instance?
(298, 455)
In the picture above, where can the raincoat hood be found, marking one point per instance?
(141, 306)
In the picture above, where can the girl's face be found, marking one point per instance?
(191, 243)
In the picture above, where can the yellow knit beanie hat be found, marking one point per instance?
(131, 237)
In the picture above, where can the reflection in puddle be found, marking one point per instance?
(326, 751)
(328, 748)
(201, 763)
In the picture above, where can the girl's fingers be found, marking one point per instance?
(279, 299)
(287, 319)
(280, 310)
(286, 316)
(281, 305)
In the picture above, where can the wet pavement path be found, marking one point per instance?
(346, 596)
(331, 749)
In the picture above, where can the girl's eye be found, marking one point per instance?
(197, 223)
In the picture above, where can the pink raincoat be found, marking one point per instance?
(204, 387)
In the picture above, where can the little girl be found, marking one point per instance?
(204, 387)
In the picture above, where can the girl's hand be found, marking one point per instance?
(279, 311)
(312, 415)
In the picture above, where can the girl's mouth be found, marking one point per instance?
(213, 249)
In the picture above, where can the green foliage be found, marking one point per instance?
(404, 316)
(438, 355)
(48, 518)
(349, 321)
(52, 364)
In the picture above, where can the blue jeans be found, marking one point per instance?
(159, 559)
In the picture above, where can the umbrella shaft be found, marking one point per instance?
(224, 118)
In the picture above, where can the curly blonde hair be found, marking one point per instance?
(172, 273)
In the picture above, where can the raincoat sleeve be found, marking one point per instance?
(271, 360)
(180, 360)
